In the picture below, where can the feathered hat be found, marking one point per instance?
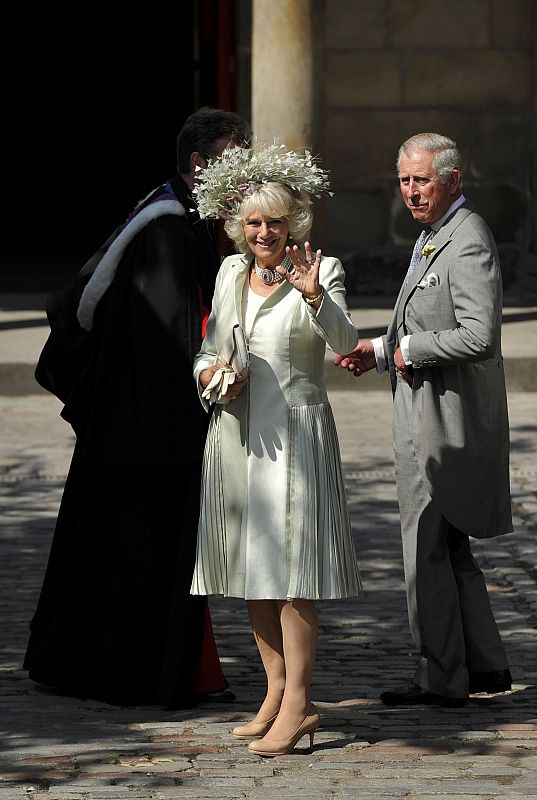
(239, 171)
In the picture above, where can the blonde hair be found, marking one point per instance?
(272, 200)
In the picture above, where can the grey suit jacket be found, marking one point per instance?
(459, 426)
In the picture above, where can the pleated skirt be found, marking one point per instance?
(274, 522)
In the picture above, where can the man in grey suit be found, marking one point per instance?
(450, 428)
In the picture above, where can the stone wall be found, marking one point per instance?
(390, 68)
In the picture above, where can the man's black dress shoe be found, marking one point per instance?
(490, 682)
(219, 696)
(412, 694)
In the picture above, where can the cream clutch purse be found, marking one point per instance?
(236, 360)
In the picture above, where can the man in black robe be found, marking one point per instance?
(115, 619)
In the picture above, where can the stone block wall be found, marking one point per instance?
(392, 68)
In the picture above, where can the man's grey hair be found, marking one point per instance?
(446, 154)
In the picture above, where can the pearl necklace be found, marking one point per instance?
(269, 276)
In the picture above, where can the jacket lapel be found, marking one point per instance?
(440, 240)
(240, 275)
(281, 291)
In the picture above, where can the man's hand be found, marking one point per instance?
(405, 370)
(360, 360)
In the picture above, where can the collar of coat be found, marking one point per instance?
(105, 271)
(444, 234)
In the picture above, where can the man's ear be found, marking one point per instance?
(197, 160)
(454, 181)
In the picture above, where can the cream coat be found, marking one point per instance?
(274, 521)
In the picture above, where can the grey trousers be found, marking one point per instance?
(449, 611)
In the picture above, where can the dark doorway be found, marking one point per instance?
(93, 127)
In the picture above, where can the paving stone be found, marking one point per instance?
(363, 749)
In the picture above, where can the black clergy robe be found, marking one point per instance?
(115, 619)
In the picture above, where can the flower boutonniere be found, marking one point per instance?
(428, 250)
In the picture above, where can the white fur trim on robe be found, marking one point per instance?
(106, 269)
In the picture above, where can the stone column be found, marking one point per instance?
(282, 70)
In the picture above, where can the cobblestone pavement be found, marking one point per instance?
(60, 748)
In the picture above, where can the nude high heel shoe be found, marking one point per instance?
(253, 730)
(282, 747)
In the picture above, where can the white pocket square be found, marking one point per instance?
(431, 279)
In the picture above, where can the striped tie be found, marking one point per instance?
(416, 253)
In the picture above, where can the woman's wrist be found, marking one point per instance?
(314, 299)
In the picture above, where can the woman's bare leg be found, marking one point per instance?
(298, 620)
(266, 627)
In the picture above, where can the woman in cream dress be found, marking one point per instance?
(274, 527)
